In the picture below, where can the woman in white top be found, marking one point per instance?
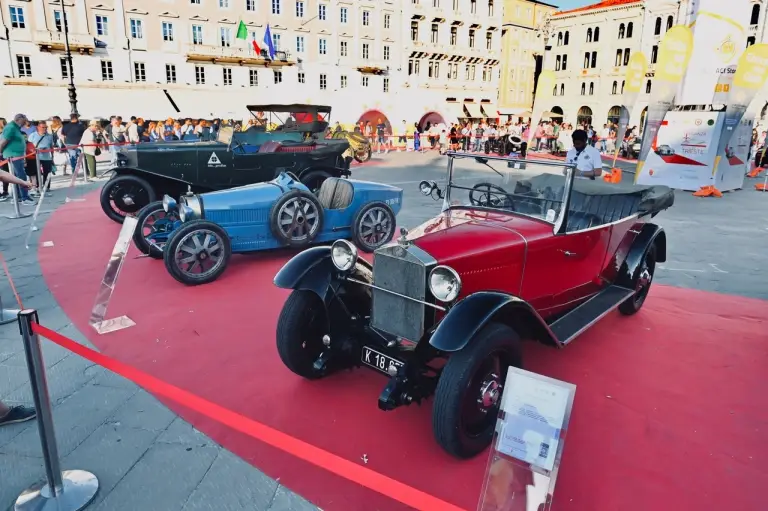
(91, 137)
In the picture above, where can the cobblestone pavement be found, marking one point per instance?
(147, 458)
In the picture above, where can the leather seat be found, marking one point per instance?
(335, 193)
(608, 208)
(578, 221)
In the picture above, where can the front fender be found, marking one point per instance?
(465, 320)
(649, 235)
(310, 270)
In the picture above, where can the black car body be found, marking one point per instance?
(147, 171)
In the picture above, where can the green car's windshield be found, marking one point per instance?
(531, 188)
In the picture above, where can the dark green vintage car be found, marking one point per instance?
(291, 139)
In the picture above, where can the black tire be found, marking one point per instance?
(220, 248)
(139, 236)
(641, 283)
(302, 231)
(363, 155)
(460, 383)
(314, 179)
(373, 226)
(118, 189)
(300, 329)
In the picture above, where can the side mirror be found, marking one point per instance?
(430, 188)
(484, 161)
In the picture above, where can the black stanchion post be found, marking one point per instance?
(71, 490)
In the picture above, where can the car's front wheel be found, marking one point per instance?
(125, 195)
(468, 395)
(153, 229)
(373, 226)
(197, 252)
(300, 329)
(642, 284)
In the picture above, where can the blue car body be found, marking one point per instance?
(244, 212)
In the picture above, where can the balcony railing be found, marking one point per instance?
(54, 41)
(236, 55)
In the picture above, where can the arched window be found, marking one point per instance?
(750, 41)
(559, 38)
(596, 38)
(618, 58)
(594, 59)
(648, 87)
(615, 87)
(586, 60)
(557, 63)
(622, 86)
(654, 53)
(589, 35)
(670, 22)
(753, 20)
(591, 88)
(554, 91)
(565, 39)
(626, 57)
(630, 27)
(565, 62)
(657, 28)
(621, 31)
(562, 89)
(583, 88)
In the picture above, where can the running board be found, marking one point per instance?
(588, 313)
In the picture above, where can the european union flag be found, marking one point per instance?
(268, 43)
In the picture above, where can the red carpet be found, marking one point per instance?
(670, 410)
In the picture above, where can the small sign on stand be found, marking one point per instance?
(528, 443)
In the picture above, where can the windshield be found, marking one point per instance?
(531, 188)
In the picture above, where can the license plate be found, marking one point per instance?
(379, 361)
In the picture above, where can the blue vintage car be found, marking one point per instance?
(196, 235)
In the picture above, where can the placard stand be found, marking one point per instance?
(527, 444)
(80, 163)
(115, 264)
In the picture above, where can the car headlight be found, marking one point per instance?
(185, 213)
(444, 283)
(426, 187)
(168, 203)
(343, 255)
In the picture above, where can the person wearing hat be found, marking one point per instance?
(585, 157)
(13, 144)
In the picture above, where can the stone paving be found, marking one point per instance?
(146, 458)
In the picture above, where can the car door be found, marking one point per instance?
(254, 167)
(214, 164)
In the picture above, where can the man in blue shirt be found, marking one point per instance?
(13, 145)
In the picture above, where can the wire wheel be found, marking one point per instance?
(298, 219)
(157, 224)
(199, 254)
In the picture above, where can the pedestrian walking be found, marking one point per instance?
(71, 134)
(15, 414)
(43, 143)
(13, 145)
(92, 136)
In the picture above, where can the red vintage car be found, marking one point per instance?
(522, 250)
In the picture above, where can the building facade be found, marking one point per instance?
(523, 52)
(174, 58)
(591, 47)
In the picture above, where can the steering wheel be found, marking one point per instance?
(237, 146)
(491, 196)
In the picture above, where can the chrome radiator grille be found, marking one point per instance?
(396, 269)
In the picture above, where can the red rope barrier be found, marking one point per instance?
(10, 281)
(332, 463)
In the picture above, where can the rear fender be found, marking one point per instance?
(650, 235)
(465, 320)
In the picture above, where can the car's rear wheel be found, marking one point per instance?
(468, 395)
(153, 229)
(363, 155)
(373, 226)
(300, 330)
(642, 284)
(197, 252)
(125, 195)
(296, 218)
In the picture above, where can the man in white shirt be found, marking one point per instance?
(587, 159)
(604, 136)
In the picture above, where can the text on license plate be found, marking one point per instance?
(373, 358)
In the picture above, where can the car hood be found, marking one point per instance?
(487, 249)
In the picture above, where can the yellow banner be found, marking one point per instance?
(752, 70)
(545, 83)
(638, 65)
(543, 90)
(674, 53)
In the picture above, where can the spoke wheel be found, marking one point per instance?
(125, 196)
(296, 218)
(197, 252)
(374, 226)
(153, 229)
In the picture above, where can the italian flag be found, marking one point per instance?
(242, 33)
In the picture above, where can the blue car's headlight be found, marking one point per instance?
(186, 213)
(168, 203)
